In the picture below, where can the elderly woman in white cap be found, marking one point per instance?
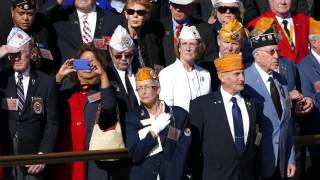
(183, 80)
(225, 11)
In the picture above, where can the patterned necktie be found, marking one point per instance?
(285, 27)
(20, 93)
(275, 97)
(238, 127)
(86, 32)
(177, 33)
(132, 97)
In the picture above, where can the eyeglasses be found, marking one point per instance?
(147, 88)
(224, 9)
(139, 12)
(272, 51)
(126, 56)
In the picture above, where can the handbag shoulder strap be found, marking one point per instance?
(172, 116)
(99, 111)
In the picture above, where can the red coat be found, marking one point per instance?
(301, 31)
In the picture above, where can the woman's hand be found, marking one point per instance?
(65, 69)
(98, 69)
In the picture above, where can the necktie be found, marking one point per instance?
(132, 96)
(275, 97)
(86, 31)
(177, 33)
(238, 126)
(285, 27)
(20, 93)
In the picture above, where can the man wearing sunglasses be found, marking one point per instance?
(181, 11)
(121, 72)
(294, 29)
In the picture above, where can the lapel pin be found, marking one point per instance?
(33, 81)
(76, 22)
(167, 32)
(219, 102)
(142, 112)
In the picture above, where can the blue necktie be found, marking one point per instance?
(238, 126)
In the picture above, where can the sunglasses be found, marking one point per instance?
(224, 9)
(139, 12)
(126, 56)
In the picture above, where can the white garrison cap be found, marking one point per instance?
(227, 1)
(182, 2)
(17, 38)
(189, 32)
(121, 40)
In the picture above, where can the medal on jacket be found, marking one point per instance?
(37, 105)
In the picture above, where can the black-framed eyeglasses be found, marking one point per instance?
(139, 12)
(272, 51)
(232, 9)
(147, 88)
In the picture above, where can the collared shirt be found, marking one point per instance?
(175, 24)
(290, 23)
(316, 55)
(264, 76)
(92, 19)
(122, 75)
(226, 97)
(25, 81)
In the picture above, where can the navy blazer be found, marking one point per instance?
(170, 163)
(214, 155)
(36, 129)
(309, 70)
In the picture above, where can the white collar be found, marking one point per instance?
(227, 96)
(288, 18)
(316, 55)
(264, 76)
(26, 73)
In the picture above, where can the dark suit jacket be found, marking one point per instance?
(36, 132)
(214, 155)
(206, 32)
(67, 28)
(171, 162)
(122, 96)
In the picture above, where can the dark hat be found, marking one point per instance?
(264, 33)
(24, 4)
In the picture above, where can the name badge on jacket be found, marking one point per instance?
(37, 105)
(94, 97)
(9, 104)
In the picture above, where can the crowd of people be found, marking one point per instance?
(194, 89)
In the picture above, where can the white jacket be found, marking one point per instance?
(175, 87)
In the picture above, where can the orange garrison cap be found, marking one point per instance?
(229, 62)
(146, 73)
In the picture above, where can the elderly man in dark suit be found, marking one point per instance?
(223, 126)
(83, 22)
(29, 115)
(181, 11)
(309, 70)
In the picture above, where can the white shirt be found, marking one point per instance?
(290, 23)
(226, 97)
(264, 76)
(122, 75)
(194, 83)
(25, 81)
(118, 5)
(316, 55)
(92, 19)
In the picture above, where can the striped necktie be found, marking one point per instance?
(20, 93)
(86, 31)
